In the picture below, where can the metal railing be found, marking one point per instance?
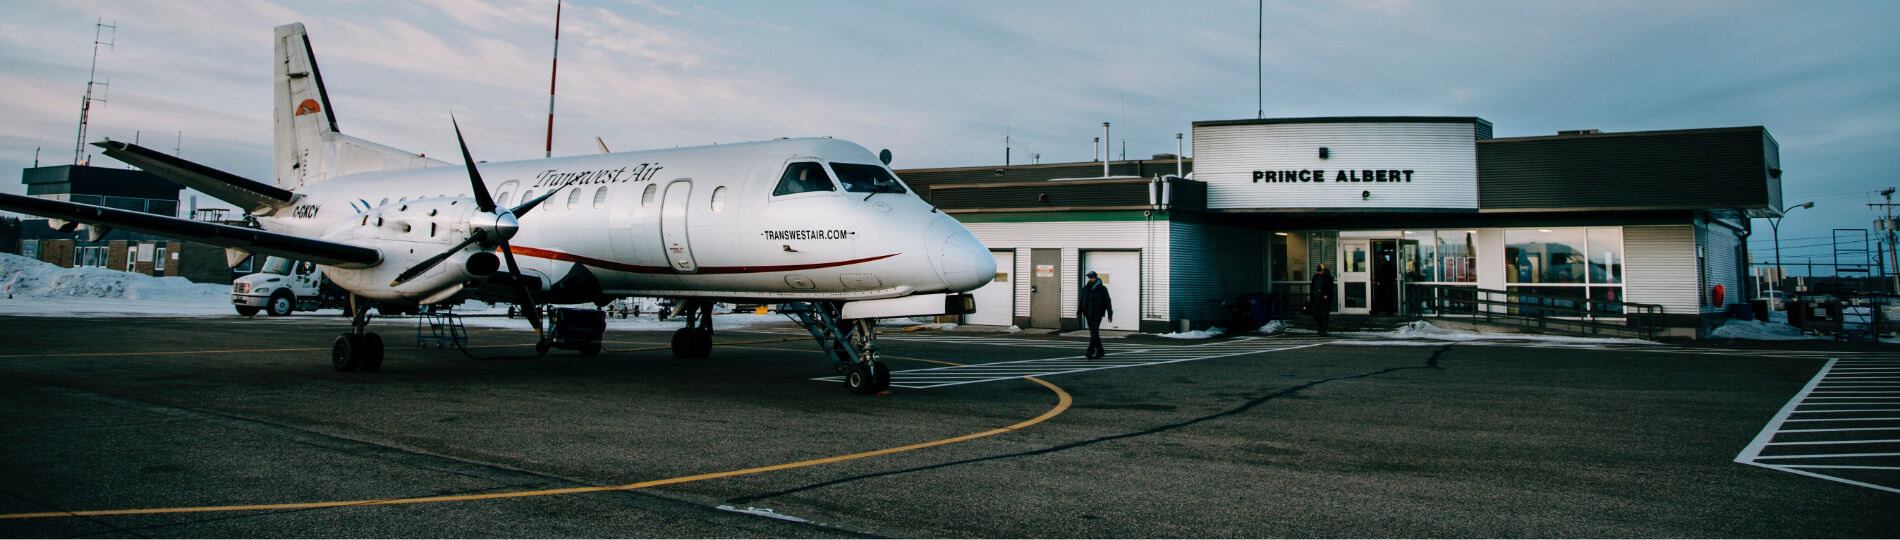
(1582, 316)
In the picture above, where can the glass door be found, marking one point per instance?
(1355, 276)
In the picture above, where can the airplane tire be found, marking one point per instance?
(371, 346)
(702, 343)
(346, 354)
(280, 304)
(860, 380)
(684, 343)
(541, 347)
(881, 380)
(247, 310)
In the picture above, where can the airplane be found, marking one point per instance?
(821, 227)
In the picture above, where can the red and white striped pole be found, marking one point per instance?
(552, 71)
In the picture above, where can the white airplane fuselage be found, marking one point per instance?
(647, 224)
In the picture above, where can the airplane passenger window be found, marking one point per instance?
(646, 197)
(527, 196)
(404, 199)
(384, 203)
(573, 198)
(802, 177)
(503, 199)
(600, 197)
(719, 198)
(866, 178)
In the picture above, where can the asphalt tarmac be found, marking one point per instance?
(238, 427)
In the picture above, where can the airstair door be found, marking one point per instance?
(679, 251)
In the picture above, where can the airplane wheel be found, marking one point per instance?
(684, 343)
(372, 352)
(882, 380)
(541, 347)
(861, 380)
(247, 310)
(280, 304)
(702, 343)
(346, 354)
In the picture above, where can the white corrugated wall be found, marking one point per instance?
(1661, 267)
(1072, 237)
(1212, 264)
(1443, 158)
(1719, 245)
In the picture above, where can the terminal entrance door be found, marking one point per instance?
(1045, 288)
(1385, 277)
(1355, 276)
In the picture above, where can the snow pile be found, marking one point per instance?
(1740, 329)
(1196, 334)
(31, 278)
(1274, 327)
(1421, 330)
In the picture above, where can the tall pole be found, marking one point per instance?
(1260, 63)
(85, 104)
(552, 71)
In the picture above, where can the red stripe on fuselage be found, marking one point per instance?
(703, 270)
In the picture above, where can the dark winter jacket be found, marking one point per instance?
(1093, 302)
(1322, 291)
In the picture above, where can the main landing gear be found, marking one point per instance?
(695, 340)
(851, 343)
(358, 350)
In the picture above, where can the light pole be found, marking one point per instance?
(1774, 224)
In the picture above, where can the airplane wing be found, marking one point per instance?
(322, 252)
(250, 195)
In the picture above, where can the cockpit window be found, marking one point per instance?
(866, 178)
(802, 177)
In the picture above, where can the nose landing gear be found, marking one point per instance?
(851, 343)
(695, 340)
(357, 350)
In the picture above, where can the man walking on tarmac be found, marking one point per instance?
(1320, 294)
(1091, 305)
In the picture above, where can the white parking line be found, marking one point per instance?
(1807, 402)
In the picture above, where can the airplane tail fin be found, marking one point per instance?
(308, 148)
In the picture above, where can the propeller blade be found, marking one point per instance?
(483, 200)
(522, 210)
(527, 300)
(415, 271)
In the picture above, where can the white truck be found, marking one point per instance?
(283, 286)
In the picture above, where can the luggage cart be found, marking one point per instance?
(440, 327)
(577, 329)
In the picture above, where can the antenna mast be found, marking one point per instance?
(85, 105)
(552, 70)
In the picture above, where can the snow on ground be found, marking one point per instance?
(1424, 331)
(1739, 329)
(1195, 334)
(35, 288)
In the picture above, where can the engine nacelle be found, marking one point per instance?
(408, 233)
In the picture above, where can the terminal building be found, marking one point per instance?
(1656, 221)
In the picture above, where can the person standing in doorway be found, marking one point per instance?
(1321, 295)
(1091, 306)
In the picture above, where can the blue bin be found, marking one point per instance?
(1741, 311)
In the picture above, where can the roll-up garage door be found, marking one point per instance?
(1121, 272)
(996, 302)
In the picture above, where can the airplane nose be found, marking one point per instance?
(962, 261)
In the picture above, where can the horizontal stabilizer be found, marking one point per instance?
(262, 242)
(252, 196)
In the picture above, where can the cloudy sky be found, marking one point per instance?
(941, 83)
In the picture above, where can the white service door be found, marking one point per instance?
(679, 252)
(996, 301)
(1121, 272)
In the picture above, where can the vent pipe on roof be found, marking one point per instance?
(1579, 132)
(1095, 151)
(1105, 154)
(1178, 167)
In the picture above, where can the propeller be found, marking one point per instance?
(491, 226)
